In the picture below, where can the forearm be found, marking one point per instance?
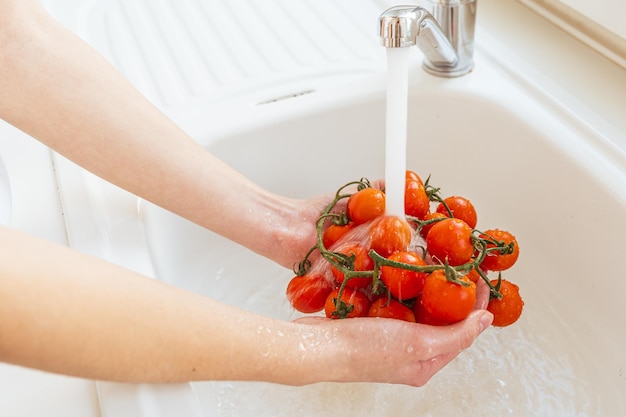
(60, 91)
(66, 312)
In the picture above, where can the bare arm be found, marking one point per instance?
(60, 91)
(66, 312)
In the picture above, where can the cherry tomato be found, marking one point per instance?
(413, 176)
(448, 301)
(403, 284)
(392, 309)
(389, 234)
(430, 216)
(508, 309)
(362, 262)
(334, 232)
(416, 202)
(354, 303)
(308, 293)
(450, 240)
(461, 208)
(473, 276)
(424, 317)
(365, 205)
(495, 261)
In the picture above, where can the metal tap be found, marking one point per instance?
(445, 36)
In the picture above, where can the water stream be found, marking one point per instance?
(396, 129)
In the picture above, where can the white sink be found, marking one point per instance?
(528, 168)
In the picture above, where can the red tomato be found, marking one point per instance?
(403, 284)
(412, 176)
(424, 317)
(416, 202)
(495, 261)
(365, 205)
(362, 262)
(508, 309)
(461, 208)
(448, 301)
(335, 232)
(389, 234)
(430, 216)
(474, 276)
(353, 304)
(391, 309)
(308, 293)
(450, 240)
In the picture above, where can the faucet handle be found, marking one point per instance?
(403, 26)
(457, 18)
(445, 37)
(399, 26)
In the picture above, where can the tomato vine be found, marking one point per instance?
(483, 245)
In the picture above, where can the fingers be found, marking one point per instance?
(310, 320)
(452, 339)
(482, 295)
(435, 340)
(431, 366)
(447, 342)
(406, 353)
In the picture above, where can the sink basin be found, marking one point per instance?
(527, 165)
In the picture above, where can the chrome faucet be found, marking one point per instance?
(445, 36)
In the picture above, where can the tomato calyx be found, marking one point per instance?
(495, 294)
(434, 195)
(499, 246)
(453, 276)
(423, 223)
(342, 309)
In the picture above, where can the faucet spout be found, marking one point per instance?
(448, 50)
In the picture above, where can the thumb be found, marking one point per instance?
(459, 336)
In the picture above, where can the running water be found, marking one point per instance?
(396, 122)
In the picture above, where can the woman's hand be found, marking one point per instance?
(396, 351)
(300, 234)
(399, 352)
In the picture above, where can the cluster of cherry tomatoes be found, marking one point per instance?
(423, 268)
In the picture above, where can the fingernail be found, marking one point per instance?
(485, 320)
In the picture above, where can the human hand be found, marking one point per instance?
(301, 228)
(396, 351)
